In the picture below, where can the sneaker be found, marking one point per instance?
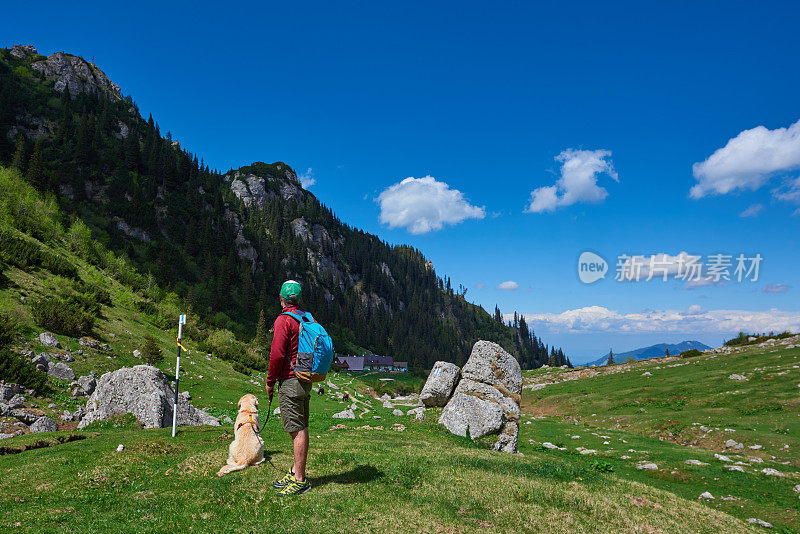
(282, 483)
(295, 487)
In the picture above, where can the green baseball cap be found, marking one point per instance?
(290, 290)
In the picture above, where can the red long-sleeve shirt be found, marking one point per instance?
(286, 333)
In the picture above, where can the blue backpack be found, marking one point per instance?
(314, 349)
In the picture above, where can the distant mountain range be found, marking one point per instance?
(653, 351)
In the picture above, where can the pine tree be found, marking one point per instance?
(610, 357)
(151, 352)
(261, 333)
(19, 154)
(35, 172)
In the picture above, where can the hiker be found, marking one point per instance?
(293, 394)
(321, 391)
(346, 397)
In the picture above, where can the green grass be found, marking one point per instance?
(373, 480)
(660, 417)
(380, 478)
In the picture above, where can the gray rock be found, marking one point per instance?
(66, 357)
(490, 364)
(41, 361)
(706, 495)
(759, 522)
(66, 416)
(695, 462)
(737, 377)
(49, 340)
(24, 416)
(44, 424)
(23, 51)
(467, 411)
(76, 75)
(144, 392)
(415, 411)
(16, 402)
(78, 414)
(5, 436)
(137, 353)
(397, 412)
(61, 370)
(388, 405)
(471, 387)
(440, 384)
(647, 466)
(507, 440)
(345, 414)
(772, 472)
(6, 392)
(227, 420)
(420, 416)
(730, 443)
(87, 384)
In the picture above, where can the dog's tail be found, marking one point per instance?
(229, 468)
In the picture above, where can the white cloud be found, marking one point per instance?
(775, 288)
(577, 183)
(307, 179)
(593, 319)
(480, 286)
(748, 161)
(424, 204)
(752, 211)
(508, 286)
(789, 191)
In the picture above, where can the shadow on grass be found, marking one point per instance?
(357, 475)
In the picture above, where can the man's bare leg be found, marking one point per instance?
(300, 441)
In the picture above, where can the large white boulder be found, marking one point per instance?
(491, 364)
(440, 384)
(144, 392)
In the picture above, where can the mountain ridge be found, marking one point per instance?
(651, 351)
(223, 242)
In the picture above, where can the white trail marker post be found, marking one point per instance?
(181, 322)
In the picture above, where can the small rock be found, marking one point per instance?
(345, 414)
(730, 443)
(227, 420)
(388, 405)
(760, 522)
(420, 416)
(276, 411)
(756, 460)
(734, 468)
(648, 466)
(706, 495)
(722, 458)
(695, 462)
(737, 377)
(647, 373)
(755, 447)
(44, 424)
(772, 472)
(137, 353)
(120, 447)
(415, 411)
(5, 436)
(61, 370)
(397, 412)
(49, 340)
(548, 445)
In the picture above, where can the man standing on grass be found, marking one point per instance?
(294, 394)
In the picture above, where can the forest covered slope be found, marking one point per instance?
(221, 243)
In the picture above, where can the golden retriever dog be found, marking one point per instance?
(247, 447)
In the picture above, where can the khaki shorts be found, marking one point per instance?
(293, 399)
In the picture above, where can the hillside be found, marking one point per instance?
(223, 242)
(653, 351)
(379, 475)
(734, 410)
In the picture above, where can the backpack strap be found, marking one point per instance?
(299, 318)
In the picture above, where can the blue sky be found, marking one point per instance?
(494, 101)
